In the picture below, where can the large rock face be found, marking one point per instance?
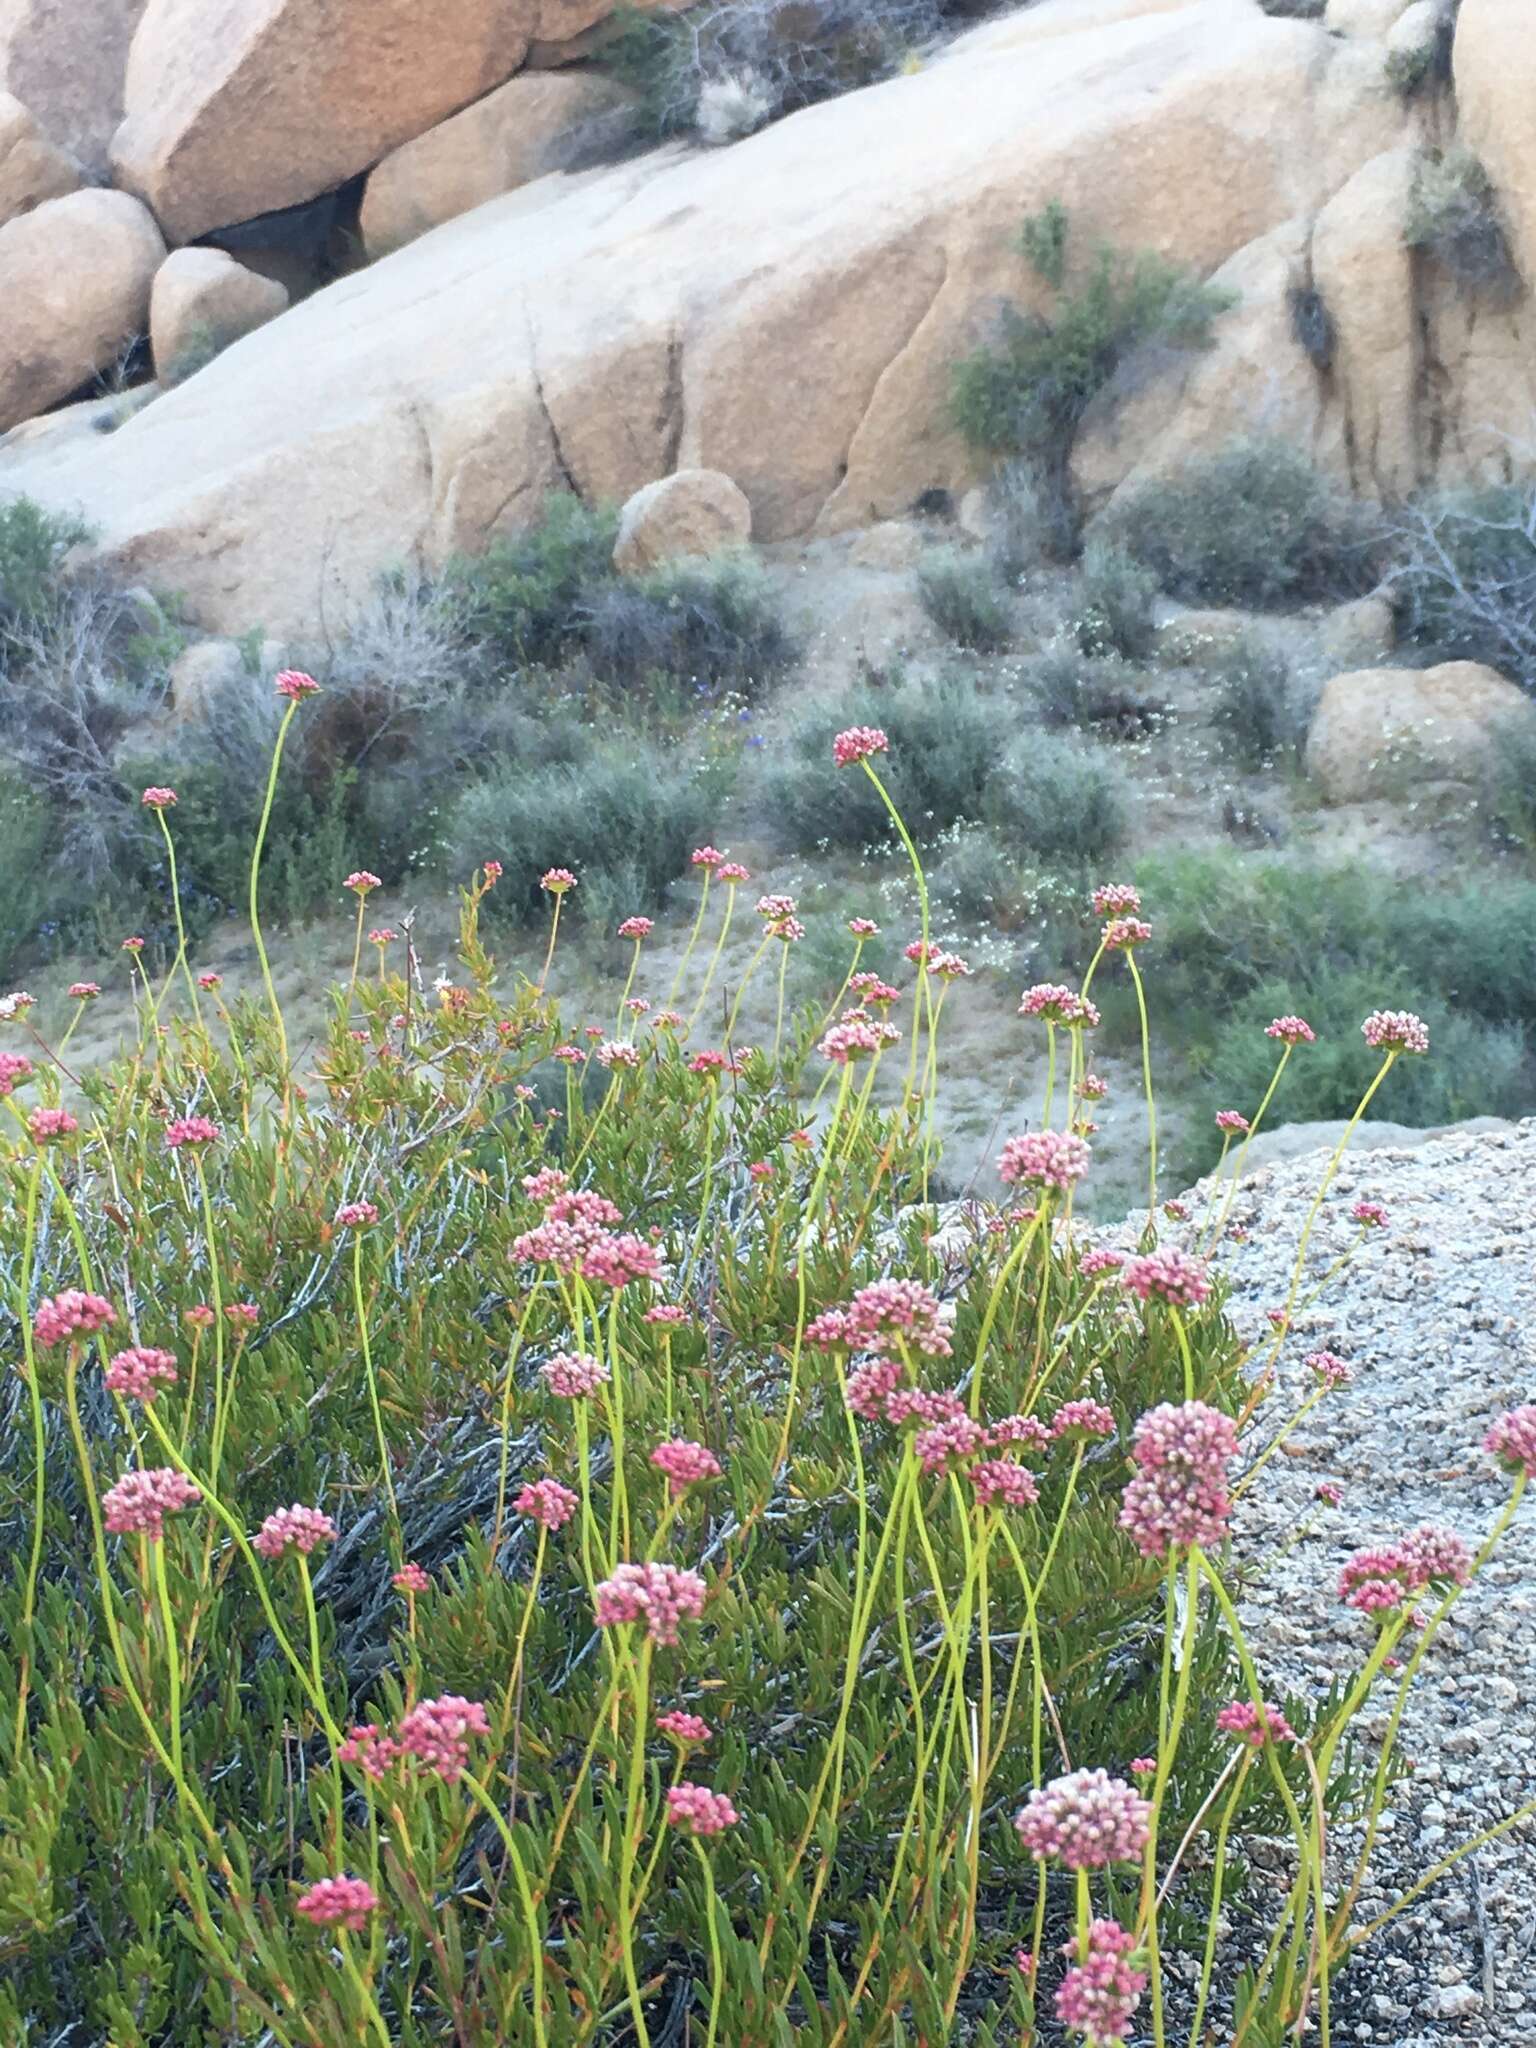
(74, 279)
(786, 311)
(65, 59)
(526, 127)
(242, 107)
(1378, 728)
(31, 169)
(1495, 61)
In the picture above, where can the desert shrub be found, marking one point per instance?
(1075, 691)
(25, 829)
(1024, 392)
(531, 1433)
(33, 544)
(977, 881)
(1115, 604)
(713, 625)
(944, 737)
(959, 593)
(1258, 710)
(1463, 575)
(1016, 528)
(1511, 788)
(1454, 217)
(1254, 524)
(1056, 797)
(623, 817)
(726, 69)
(522, 598)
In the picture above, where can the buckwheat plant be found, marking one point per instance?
(480, 1572)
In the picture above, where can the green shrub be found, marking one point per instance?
(1116, 598)
(712, 625)
(33, 544)
(25, 830)
(1255, 524)
(1464, 575)
(944, 744)
(976, 880)
(1024, 393)
(623, 818)
(522, 598)
(1054, 796)
(1257, 709)
(1075, 691)
(1454, 216)
(959, 594)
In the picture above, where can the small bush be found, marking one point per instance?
(1055, 797)
(522, 599)
(1257, 709)
(1074, 691)
(624, 818)
(714, 624)
(944, 745)
(33, 544)
(1511, 797)
(1454, 216)
(25, 832)
(1255, 524)
(1016, 532)
(1117, 599)
(1024, 393)
(977, 880)
(959, 594)
(1464, 575)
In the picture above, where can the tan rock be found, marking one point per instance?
(692, 512)
(74, 280)
(1378, 731)
(893, 544)
(1495, 67)
(203, 300)
(199, 676)
(1355, 634)
(532, 124)
(31, 169)
(1364, 273)
(65, 59)
(786, 311)
(241, 107)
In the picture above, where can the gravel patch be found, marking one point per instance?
(1437, 1316)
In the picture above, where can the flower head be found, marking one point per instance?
(1255, 1725)
(191, 1130)
(157, 799)
(999, 1482)
(295, 685)
(1291, 1030)
(1170, 1276)
(1123, 933)
(83, 991)
(660, 1595)
(1369, 1215)
(1103, 1259)
(1116, 899)
(858, 743)
(1082, 1420)
(15, 1067)
(1231, 1120)
(1047, 1159)
(140, 1501)
(699, 1810)
(411, 1578)
(436, 1733)
(685, 1463)
(684, 1727)
(548, 1502)
(69, 1315)
(361, 881)
(1058, 1004)
(138, 1374)
(1332, 1370)
(1178, 1495)
(1098, 1996)
(637, 928)
(733, 872)
(1512, 1440)
(296, 1528)
(132, 945)
(48, 1124)
(354, 1215)
(706, 857)
(557, 881)
(338, 1902)
(1395, 1031)
(1087, 1821)
(381, 936)
(855, 1038)
(863, 927)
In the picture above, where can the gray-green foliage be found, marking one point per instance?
(1057, 796)
(1454, 216)
(1115, 610)
(959, 592)
(1257, 708)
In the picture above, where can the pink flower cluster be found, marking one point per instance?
(1082, 1420)
(1170, 1276)
(1395, 1031)
(436, 1733)
(293, 684)
(138, 1374)
(577, 1235)
(557, 881)
(1231, 1120)
(998, 1482)
(684, 1727)
(1058, 1004)
(47, 1124)
(685, 1464)
(1255, 1725)
(1178, 1495)
(547, 1502)
(140, 1501)
(854, 1037)
(1386, 1576)
(1292, 1030)
(361, 881)
(950, 1444)
(1116, 899)
(1512, 1440)
(574, 1375)
(699, 1810)
(1103, 1260)
(1087, 1821)
(1098, 1996)
(863, 927)
(637, 928)
(1332, 1370)
(352, 1215)
(1047, 1159)
(84, 991)
(661, 1595)
(191, 1130)
(1370, 1215)
(156, 798)
(14, 1067)
(1122, 933)
(338, 1902)
(903, 1309)
(69, 1315)
(296, 1528)
(411, 1579)
(858, 743)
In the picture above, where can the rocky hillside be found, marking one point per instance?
(785, 310)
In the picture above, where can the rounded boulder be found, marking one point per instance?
(693, 512)
(1377, 731)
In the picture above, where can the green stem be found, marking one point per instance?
(181, 929)
(256, 852)
(373, 1384)
(717, 1973)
